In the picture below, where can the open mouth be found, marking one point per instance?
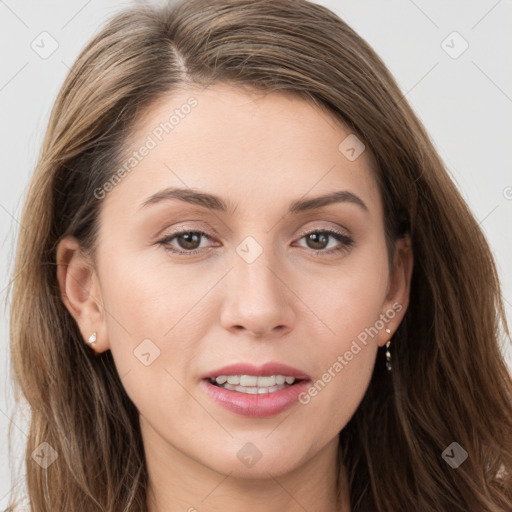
(254, 385)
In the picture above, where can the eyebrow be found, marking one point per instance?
(216, 203)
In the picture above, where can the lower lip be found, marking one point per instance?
(256, 406)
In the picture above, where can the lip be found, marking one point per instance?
(256, 406)
(265, 370)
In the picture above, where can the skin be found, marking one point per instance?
(294, 304)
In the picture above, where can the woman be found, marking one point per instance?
(247, 282)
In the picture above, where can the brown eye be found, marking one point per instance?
(319, 241)
(188, 242)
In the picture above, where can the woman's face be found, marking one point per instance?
(252, 281)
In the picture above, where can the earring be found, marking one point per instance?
(388, 353)
(92, 339)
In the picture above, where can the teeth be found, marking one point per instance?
(253, 380)
(248, 380)
(254, 390)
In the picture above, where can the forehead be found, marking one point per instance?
(250, 146)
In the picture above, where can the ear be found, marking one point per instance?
(397, 297)
(80, 291)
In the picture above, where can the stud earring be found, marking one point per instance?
(92, 339)
(388, 353)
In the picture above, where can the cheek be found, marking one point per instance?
(154, 316)
(348, 304)
(334, 396)
(346, 297)
(150, 296)
(343, 361)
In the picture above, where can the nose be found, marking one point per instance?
(258, 301)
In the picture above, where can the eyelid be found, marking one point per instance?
(170, 232)
(327, 229)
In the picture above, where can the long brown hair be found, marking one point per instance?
(449, 381)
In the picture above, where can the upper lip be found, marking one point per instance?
(265, 370)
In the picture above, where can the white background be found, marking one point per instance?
(464, 102)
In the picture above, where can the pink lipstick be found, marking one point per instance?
(256, 391)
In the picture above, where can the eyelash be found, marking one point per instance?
(347, 242)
